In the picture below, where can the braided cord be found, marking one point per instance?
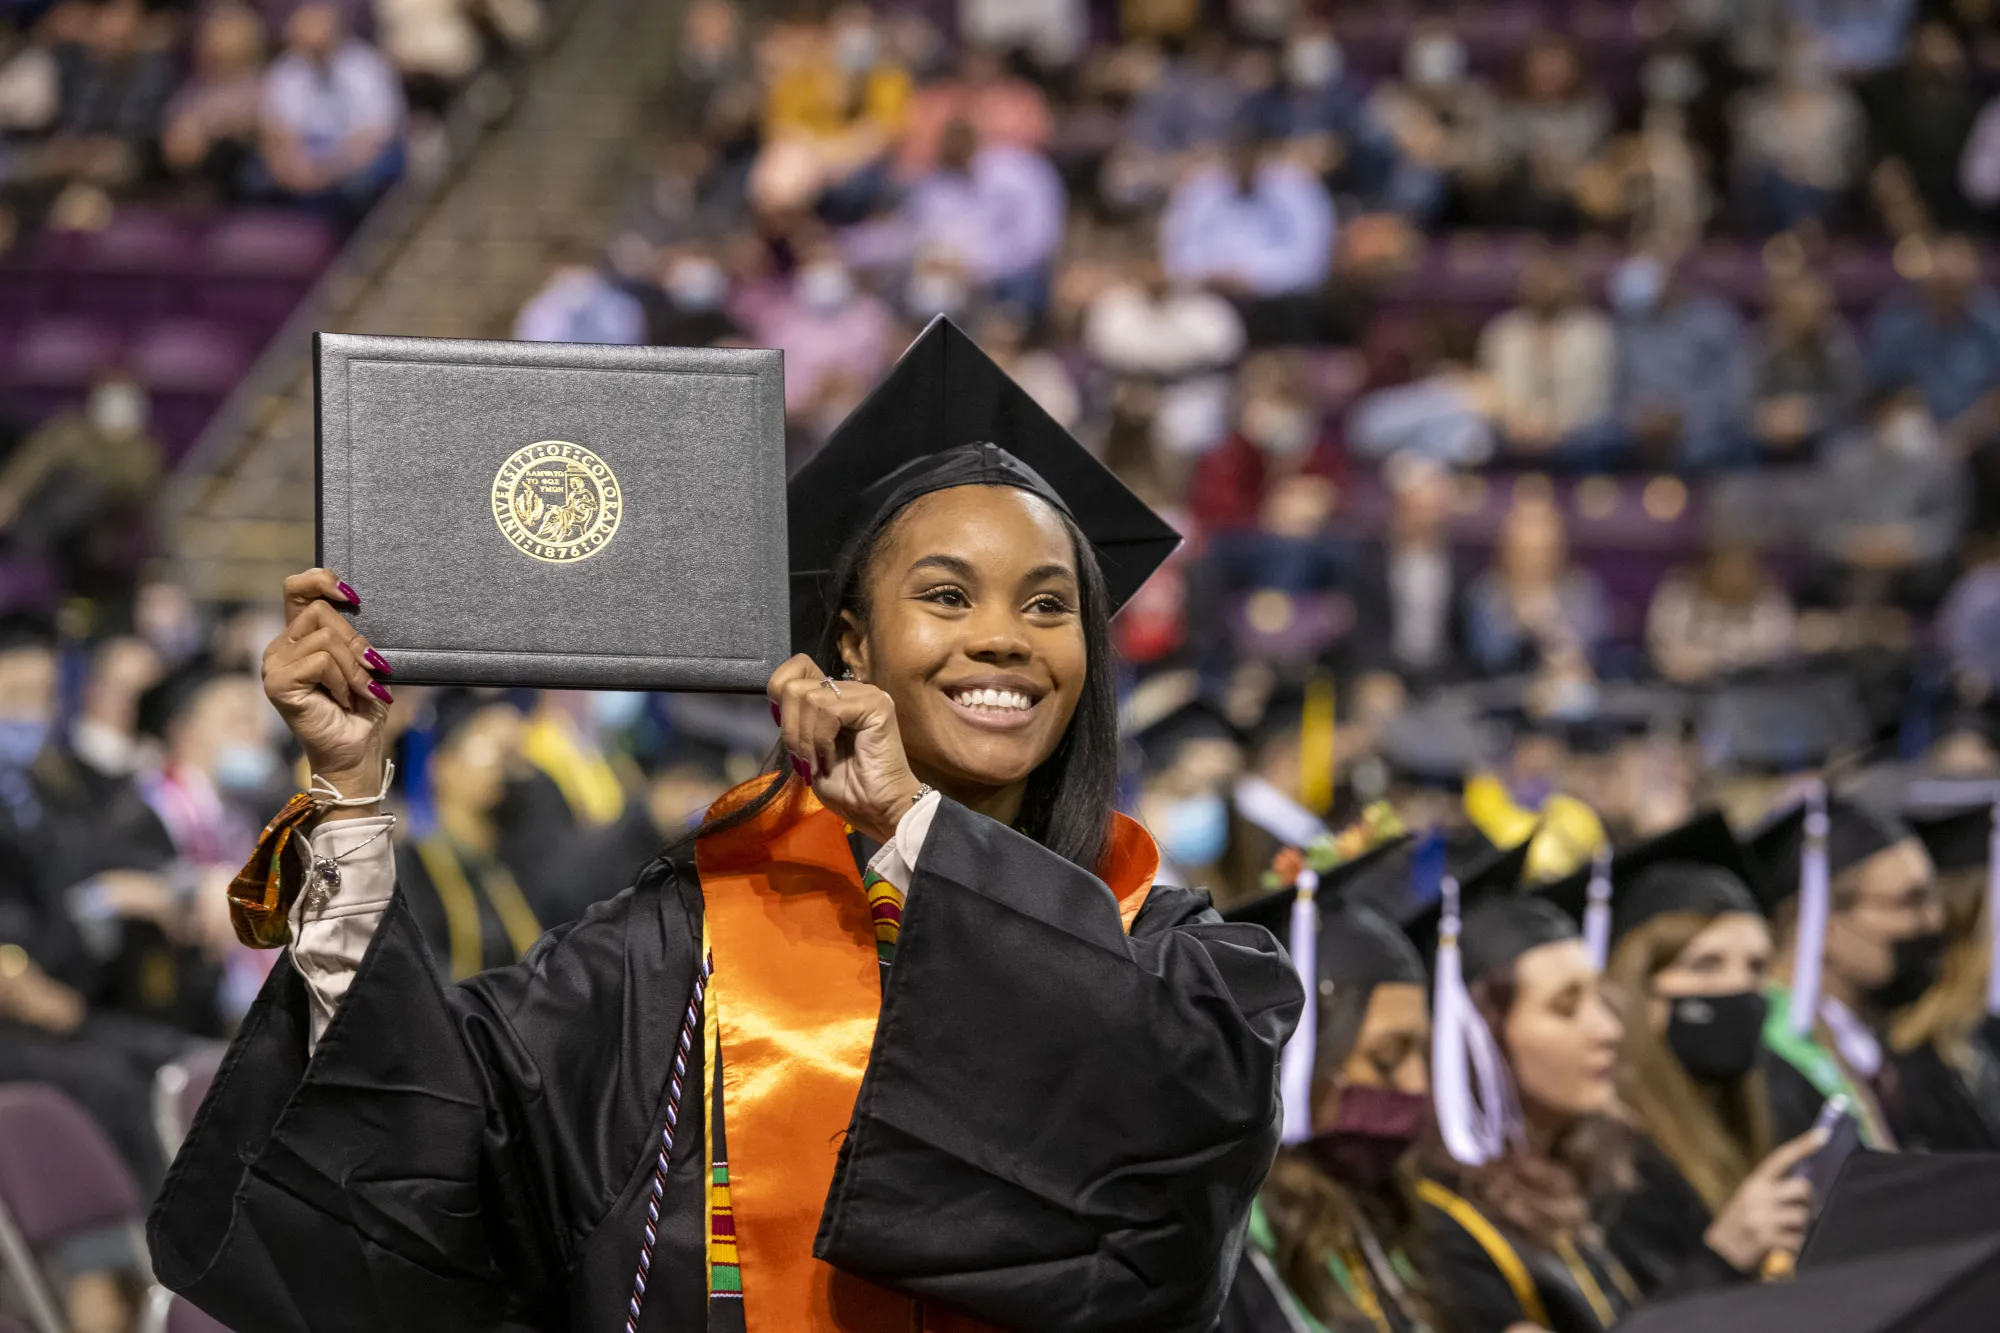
(656, 1193)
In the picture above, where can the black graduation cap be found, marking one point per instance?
(1856, 830)
(1882, 1202)
(947, 416)
(1499, 923)
(1781, 724)
(1198, 720)
(1612, 712)
(171, 695)
(1435, 745)
(1358, 944)
(1944, 1288)
(1951, 812)
(1698, 867)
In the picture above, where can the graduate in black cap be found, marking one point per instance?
(908, 1037)
(1947, 1073)
(1332, 1239)
(1523, 1075)
(1848, 887)
(1689, 951)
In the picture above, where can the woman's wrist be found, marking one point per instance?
(898, 801)
(364, 779)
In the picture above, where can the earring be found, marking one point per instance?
(847, 673)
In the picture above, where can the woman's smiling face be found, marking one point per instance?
(974, 629)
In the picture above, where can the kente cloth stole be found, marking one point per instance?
(799, 942)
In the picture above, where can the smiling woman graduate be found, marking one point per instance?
(973, 1068)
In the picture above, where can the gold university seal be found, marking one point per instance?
(557, 501)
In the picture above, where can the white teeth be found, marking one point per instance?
(1012, 700)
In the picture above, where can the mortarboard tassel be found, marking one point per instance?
(1468, 1078)
(1317, 755)
(1993, 912)
(1597, 912)
(1815, 892)
(1295, 1069)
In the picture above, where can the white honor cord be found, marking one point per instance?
(326, 794)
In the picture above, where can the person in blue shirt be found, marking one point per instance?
(1943, 336)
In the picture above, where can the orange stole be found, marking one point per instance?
(796, 991)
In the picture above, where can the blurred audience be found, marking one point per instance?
(1682, 385)
(1808, 374)
(1534, 607)
(333, 117)
(214, 120)
(1890, 504)
(1549, 361)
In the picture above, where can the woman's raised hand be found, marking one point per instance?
(321, 676)
(842, 738)
(1770, 1210)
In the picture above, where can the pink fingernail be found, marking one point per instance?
(381, 692)
(377, 661)
(349, 593)
(776, 715)
(802, 768)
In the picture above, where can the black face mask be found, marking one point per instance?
(1717, 1037)
(1918, 960)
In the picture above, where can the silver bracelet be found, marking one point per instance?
(923, 789)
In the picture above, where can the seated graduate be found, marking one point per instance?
(1332, 1235)
(1947, 1075)
(1333, 1238)
(965, 1066)
(1523, 1075)
(455, 879)
(1689, 954)
(1850, 893)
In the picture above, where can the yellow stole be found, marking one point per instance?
(795, 995)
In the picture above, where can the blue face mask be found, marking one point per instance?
(20, 741)
(1194, 831)
(616, 710)
(245, 768)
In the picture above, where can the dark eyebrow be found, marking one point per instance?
(950, 564)
(1040, 572)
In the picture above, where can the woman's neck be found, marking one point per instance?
(1545, 1129)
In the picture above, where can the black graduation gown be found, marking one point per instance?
(1473, 1294)
(1795, 1102)
(476, 1157)
(1936, 1109)
(1656, 1230)
(434, 920)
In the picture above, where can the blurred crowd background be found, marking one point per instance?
(1581, 410)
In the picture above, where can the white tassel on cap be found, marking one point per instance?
(1815, 893)
(1295, 1069)
(1469, 1084)
(1993, 912)
(1597, 912)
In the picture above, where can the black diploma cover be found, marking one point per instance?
(556, 514)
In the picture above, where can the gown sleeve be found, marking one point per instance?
(1061, 1127)
(444, 1157)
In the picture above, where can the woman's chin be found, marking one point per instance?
(988, 762)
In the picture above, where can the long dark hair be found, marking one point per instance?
(1067, 806)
